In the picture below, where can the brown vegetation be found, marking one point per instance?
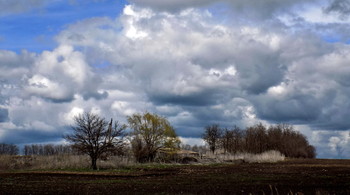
(59, 162)
(258, 139)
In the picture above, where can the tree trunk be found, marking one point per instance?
(93, 163)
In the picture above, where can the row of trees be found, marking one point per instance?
(258, 139)
(98, 138)
(60, 149)
(8, 149)
(36, 149)
(47, 149)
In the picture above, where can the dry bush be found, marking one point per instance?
(12, 162)
(61, 162)
(65, 161)
(78, 162)
(6, 161)
(115, 162)
(43, 162)
(269, 156)
(55, 162)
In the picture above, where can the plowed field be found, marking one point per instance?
(289, 177)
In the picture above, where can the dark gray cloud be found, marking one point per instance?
(97, 96)
(258, 73)
(304, 109)
(31, 136)
(193, 99)
(312, 90)
(4, 115)
(171, 5)
(59, 100)
(189, 132)
(265, 9)
(340, 7)
(205, 97)
(252, 9)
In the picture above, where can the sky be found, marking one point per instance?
(196, 62)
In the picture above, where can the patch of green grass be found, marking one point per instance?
(215, 165)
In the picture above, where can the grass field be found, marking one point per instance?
(314, 176)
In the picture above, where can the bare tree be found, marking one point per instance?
(212, 135)
(93, 136)
(258, 139)
(8, 149)
(231, 140)
(238, 143)
(227, 139)
(150, 133)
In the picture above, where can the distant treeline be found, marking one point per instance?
(258, 139)
(47, 149)
(36, 149)
(8, 149)
(255, 139)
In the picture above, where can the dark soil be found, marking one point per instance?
(289, 177)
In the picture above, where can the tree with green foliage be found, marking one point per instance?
(150, 133)
(94, 136)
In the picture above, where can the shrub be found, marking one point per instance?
(268, 156)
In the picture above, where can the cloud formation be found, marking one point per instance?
(255, 8)
(60, 74)
(3, 115)
(184, 64)
(341, 7)
(223, 63)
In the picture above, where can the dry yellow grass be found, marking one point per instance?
(58, 162)
(269, 156)
(61, 162)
